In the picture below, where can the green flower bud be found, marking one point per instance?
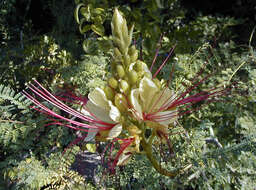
(113, 66)
(120, 71)
(157, 82)
(117, 53)
(127, 60)
(130, 33)
(147, 75)
(125, 34)
(121, 102)
(133, 76)
(109, 93)
(134, 56)
(133, 52)
(117, 22)
(139, 66)
(113, 82)
(124, 86)
(120, 44)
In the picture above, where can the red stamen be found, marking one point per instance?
(165, 61)
(157, 51)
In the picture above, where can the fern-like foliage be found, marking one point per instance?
(12, 99)
(53, 173)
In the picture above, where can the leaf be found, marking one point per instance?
(98, 11)
(85, 28)
(85, 13)
(98, 29)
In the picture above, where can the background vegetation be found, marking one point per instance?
(66, 45)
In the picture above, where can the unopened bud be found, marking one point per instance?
(157, 82)
(117, 53)
(134, 56)
(134, 130)
(121, 102)
(133, 76)
(113, 82)
(109, 93)
(132, 49)
(124, 86)
(120, 44)
(127, 60)
(120, 71)
(148, 75)
(139, 66)
(117, 22)
(133, 52)
(125, 34)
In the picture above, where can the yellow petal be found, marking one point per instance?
(98, 97)
(115, 131)
(148, 90)
(134, 100)
(146, 70)
(114, 113)
(162, 98)
(99, 113)
(166, 117)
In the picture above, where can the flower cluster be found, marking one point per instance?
(133, 101)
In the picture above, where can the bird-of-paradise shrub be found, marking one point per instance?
(135, 109)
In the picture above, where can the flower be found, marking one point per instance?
(132, 103)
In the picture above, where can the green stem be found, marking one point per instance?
(147, 147)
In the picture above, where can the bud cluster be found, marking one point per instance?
(127, 70)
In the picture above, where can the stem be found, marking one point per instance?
(236, 71)
(147, 147)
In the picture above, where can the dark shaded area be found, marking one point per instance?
(86, 164)
(234, 8)
(239, 9)
(37, 11)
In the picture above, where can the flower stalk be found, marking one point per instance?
(147, 147)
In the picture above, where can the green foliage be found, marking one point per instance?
(36, 60)
(21, 132)
(219, 140)
(54, 173)
(149, 18)
(86, 74)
